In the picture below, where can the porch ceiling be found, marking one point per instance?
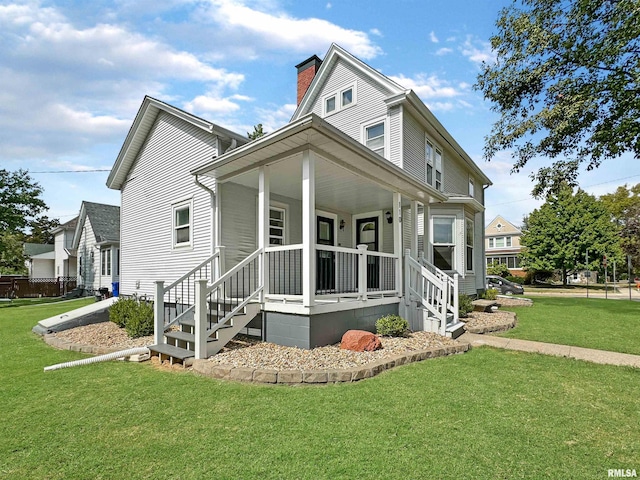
(336, 188)
(357, 165)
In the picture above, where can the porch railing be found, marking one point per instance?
(433, 290)
(177, 300)
(339, 271)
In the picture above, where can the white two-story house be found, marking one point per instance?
(362, 205)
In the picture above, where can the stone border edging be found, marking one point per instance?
(500, 327)
(293, 377)
(62, 344)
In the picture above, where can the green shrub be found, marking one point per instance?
(134, 316)
(140, 324)
(392, 326)
(122, 310)
(464, 305)
(490, 294)
(497, 268)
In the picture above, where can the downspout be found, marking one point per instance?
(212, 197)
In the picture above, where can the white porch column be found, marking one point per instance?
(263, 225)
(158, 313)
(414, 228)
(308, 229)
(200, 317)
(397, 238)
(428, 250)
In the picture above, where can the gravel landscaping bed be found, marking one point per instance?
(249, 353)
(482, 322)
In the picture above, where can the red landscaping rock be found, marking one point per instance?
(360, 341)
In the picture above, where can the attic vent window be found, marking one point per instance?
(330, 104)
(339, 99)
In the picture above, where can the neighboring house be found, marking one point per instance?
(502, 244)
(96, 240)
(363, 205)
(582, 277)
(40, 260)
(65, 255)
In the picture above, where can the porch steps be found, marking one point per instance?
(179, 345)
(454, 330)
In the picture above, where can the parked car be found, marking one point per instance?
(504, 287)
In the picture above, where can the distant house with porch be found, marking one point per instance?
(502, 245)
(96, 240)
(40, 259)
(362, 205)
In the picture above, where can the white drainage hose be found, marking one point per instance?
(100, 358)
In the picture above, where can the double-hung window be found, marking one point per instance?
(472, 188)
(182, 224)
(444, 246)
(469, 227)
(105, 262)
(277, 219)
(433, 164)
(374, 137)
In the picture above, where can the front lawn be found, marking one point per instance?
(583, 322)
(485, 414)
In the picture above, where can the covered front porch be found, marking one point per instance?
(332, 218)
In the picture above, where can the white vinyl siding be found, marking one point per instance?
(414, 148)
(159, 177)
(368, 101)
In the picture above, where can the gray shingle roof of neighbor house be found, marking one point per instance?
(104, 219)
(70, 225)
(31, 249)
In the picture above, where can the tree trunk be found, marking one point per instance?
(564, 276)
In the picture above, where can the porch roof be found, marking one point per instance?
(313, 133)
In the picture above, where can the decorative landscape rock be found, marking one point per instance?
(360, 341)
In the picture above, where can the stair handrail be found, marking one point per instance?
(446, 295)
(204, 294)
(194, 270)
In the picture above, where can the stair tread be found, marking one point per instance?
(172, 351)
(178, 335)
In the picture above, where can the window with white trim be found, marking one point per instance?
(336, 101)
(105, 261)
(277, 219)
(433, 164)
(469, 233)
(500, 242)
(444, 247)
(182, 224)
(472, 188)
(374, 137)
(511, 261)
(438, 166)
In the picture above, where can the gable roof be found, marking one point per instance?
(505, 227)
(334, 54)
(142, 124)
(70, 225)
(398, 95)
(104, 219)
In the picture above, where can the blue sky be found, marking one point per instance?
(73, 74)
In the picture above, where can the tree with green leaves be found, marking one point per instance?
(558, 234)
(624, 207)
(257, 132)
(497, 268)
(21, 218)
(566, 84)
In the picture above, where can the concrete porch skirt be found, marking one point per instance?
(310, 331)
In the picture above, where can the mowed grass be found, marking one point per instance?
(484, 414)
(612, 325)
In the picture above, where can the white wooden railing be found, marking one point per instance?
(177, 300)
(432, 289)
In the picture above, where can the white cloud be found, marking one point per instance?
(428, 86)
(376, 32)
(328, 6)
(443, 51)
(477, 51)
(433, 38)
(213, 104)
(271, 29)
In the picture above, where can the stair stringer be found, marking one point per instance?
(239, 321)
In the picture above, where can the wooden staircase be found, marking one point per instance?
(196, 316)
(179, 346)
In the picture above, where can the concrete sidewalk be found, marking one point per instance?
(579, 353)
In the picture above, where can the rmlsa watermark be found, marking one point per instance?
(622, 473)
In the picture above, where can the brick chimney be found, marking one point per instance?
(306, 71)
